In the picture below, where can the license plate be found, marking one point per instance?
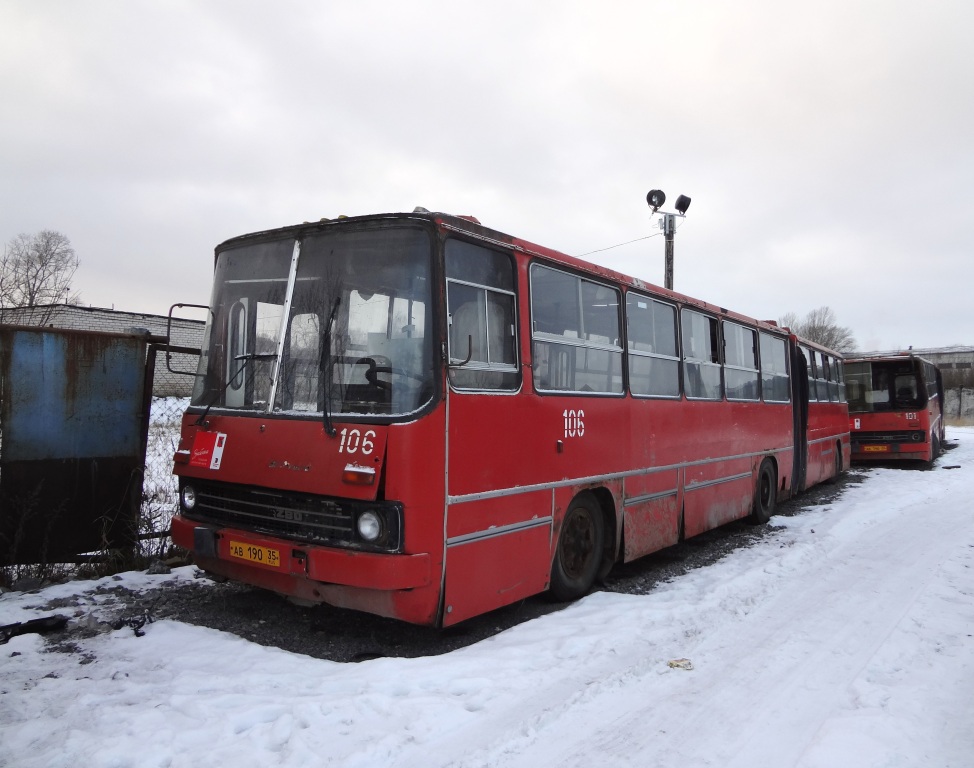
(255, 554)
(876, 448)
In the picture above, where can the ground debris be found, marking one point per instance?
(40, 626)
(136, 623)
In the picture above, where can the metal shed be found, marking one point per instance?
(73, 420)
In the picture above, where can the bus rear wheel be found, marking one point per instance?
(579, 552)
(765, 493)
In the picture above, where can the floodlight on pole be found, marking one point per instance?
(655, 199)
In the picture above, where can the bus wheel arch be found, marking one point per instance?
(580, 550)
(612, 527)
(765, 492)
(838, 465)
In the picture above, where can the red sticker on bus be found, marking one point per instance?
(208, 449)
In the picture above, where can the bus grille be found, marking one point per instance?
(303, 517)
(889, 437)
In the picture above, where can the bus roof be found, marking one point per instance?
(887, 357)
(471, 227)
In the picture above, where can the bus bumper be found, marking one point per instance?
(890, 451)
(280, 565)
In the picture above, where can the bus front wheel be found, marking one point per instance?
(579, 551)
(765, 493)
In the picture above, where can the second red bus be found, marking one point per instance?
(895, 408)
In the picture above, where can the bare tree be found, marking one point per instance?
(821, 326)
(36, 272)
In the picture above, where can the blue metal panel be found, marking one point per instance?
(71, 395)
(71, 445)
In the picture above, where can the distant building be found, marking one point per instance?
(185, 333)
(957, 365)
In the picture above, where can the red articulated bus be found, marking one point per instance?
(419, 417)
(895, 408)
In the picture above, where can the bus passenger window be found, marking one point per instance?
(701, 363)
(740, 362)
(481, 317)
(654, 367)
(934, 382)
(835, 394)
(822, 377)
(775, 384)
(576, 333)
(555, 303)
(840, 377)
(809, 356)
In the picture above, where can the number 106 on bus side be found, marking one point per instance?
(574, 423)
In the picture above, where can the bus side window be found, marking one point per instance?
(740, 362)
(482, 322)
(701, 361)
(824, 392)
(930, 376)
(654, 368)
(576, 333)
(810, 362)
(775, 383)
(833, 383)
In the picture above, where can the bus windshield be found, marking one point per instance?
(335, 319)
(883, 386)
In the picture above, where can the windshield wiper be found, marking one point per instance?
(243, 366)
(324, 365)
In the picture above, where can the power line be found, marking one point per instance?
(599, 250)
(629, 242)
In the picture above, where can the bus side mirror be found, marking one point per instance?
(180, 350)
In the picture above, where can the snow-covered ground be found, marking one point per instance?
(844, 639)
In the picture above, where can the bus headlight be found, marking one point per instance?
(189, 497)
(369, 525)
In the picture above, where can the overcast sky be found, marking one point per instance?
(828, 147)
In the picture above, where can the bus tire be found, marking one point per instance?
(765, 493)
(579, 551)
(934, 447)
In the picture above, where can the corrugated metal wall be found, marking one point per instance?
(72, 442)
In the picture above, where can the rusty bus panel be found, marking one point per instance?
(72, 418)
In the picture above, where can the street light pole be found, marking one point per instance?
(655, 199)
